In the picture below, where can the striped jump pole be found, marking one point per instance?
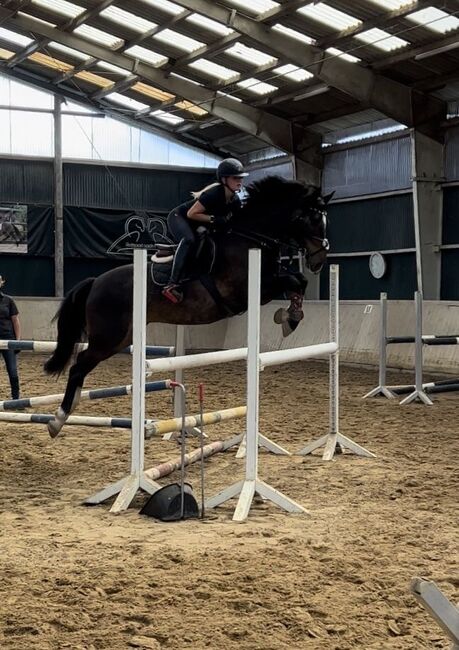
(96, 393)
(446, 386)
(77, 420)
(49, 346)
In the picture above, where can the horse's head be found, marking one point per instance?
(308, 227)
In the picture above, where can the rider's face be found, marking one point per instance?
(234, 183)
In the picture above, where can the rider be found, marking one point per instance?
(213, 206)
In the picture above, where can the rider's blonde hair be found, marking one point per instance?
(197, 194)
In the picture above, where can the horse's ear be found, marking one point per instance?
(328, 197)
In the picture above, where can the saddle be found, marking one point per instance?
(162, 260)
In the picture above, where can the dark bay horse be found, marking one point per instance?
(277, 215)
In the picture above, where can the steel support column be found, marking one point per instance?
(58, 201)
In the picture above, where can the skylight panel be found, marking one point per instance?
(213, 69)
(133, 104)
(181, 42)
(125, 18)
(49, 62)
(148, 56)
(61, 7)
(165, 5)
(391, 5)
(208, 23)
(95, 79)
(342, 55)
(304, 38)
(152, 92)
(293, 72)
(257, 87)
(167, 117)
(435, 19)
(69, 50)
(13, 37)
(191, 108)
(255, 7)
(329, 16)
(97, 35)
(5, 54)
(381, 39)
(113, 68)
(250, 54)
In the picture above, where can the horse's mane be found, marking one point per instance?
(274, 190)
(273, 197)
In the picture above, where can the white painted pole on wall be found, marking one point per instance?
(334, 440)
(58, 201)
(128, 487)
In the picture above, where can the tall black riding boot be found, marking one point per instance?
(14, 381)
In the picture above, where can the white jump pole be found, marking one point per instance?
(419, 392)
(381, 388)
(251, 485)
(334, 438)
(127, 487)
(435, 602)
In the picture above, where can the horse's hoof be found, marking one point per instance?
(286, 328)
(54, 428)
(281, 316)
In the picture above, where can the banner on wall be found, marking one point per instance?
(13, 228)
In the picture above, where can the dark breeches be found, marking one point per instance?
(184, 236)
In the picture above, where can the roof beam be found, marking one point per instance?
(392, 98)
(273, 130)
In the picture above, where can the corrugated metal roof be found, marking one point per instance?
(414, 42)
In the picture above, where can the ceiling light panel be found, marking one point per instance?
(394, 5)
(60, 7)
(208, 23)
(250, 55)
(167, 117)
(117, 98)
(13, 37)
(434, 19)
(255, 7)
(214, 70)
(165, 5)
(81, 56)
(127, 19)
(298, 36)
(97, 35)
(148, 56)
(381, 39)
(257, 87)
(329, 16)
(334, 51)
(179, 41)
(293, 72)
(35, 19)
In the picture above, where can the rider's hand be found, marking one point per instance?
(220, 222)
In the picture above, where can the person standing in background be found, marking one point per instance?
(10, 328)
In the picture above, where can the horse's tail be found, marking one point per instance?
(71, 322)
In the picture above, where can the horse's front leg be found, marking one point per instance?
(293, 285)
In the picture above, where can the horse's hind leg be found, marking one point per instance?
(86, 361)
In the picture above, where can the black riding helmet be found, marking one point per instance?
(230, 167)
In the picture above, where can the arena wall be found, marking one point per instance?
(359, 330)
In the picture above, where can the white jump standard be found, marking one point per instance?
(333, 438)
(251, 485)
